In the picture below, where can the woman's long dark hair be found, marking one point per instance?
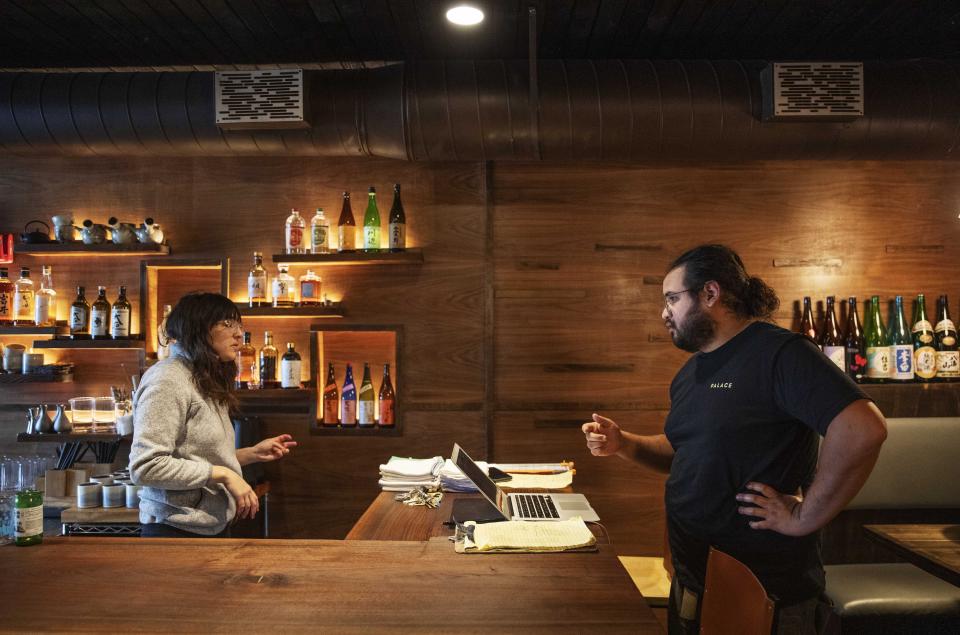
(747, 296)
(189, 324)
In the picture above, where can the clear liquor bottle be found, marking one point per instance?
(319, 233)
(45, 303)
(23, 299)
(293, 233)
(284, 288)
(310, 286)
(257, 282)
(6, 297)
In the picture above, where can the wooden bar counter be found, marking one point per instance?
(163, 585)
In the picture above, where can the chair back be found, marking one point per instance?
(734, 601)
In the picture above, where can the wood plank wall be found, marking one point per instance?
(539, 299)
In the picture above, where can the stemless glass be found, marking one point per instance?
(104, 414)
(8, 486)
(81, 413)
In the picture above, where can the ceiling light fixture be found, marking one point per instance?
(465, 15)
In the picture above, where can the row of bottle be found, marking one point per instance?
(22, 305)
(267, 368)
(871, 353)
(286, 291)
(296, 236)
(346, 407)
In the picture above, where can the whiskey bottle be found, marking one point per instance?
(290, 368)
(6, 298)
(23, 297)
(284, 288)
(268, 362)
(348, 400)
(246, 360)
(388, 413)
(80, 317)
(120, 317)
(310, 284)
(45, 303)
(331, 399)
(366, 405)
(257, 282)
(293, 235)
(100, 316)
(319, 233)
(397, 223)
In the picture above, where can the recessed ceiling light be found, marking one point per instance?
(465, 15)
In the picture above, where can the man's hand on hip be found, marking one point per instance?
(603, 436)
(774, 511)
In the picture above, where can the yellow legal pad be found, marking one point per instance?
(519, 536)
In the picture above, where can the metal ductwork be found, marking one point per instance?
(593, 110)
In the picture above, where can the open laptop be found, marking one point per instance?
(519, 506)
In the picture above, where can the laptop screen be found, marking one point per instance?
(473, 472)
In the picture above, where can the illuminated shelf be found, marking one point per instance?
(334, 310)
(319, 429)
(53, 437)
(59, 342)
(77, 248)
(380, 257)
(33, 330)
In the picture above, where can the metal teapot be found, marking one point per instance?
(35, 236)
(122, 233)
(93, 233)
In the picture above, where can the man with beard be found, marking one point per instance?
(740, 442)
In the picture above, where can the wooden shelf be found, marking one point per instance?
(68, 343)
(380, 257)
(108, 437)
(319, 429)
(12, 379)
(33, 330)
(335, 310)
(279, 401)
(77, 248)
(916, 399)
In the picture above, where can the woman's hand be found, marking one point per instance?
(273, 448)
(243, 494)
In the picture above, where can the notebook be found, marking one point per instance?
(519, 506)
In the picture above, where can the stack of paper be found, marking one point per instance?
(526, 536)
(453, 480)
(401, 474)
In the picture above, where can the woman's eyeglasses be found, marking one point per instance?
(231, 324)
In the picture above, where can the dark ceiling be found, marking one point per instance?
(162, 33)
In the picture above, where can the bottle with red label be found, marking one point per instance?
(293, 236)
(856, 361)
(348, 400)
(388, 413)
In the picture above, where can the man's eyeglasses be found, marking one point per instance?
(231, 324)
(672, 297)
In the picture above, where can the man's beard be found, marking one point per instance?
(698, 329)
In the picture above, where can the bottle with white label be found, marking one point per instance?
(23, 296)
(366, 404)
(948, 356)
(878, 349)
(831, 340)
(924, 343)
(257, 282)
(293, 235)
(45, 304)
(371, 222)
(397, 222)
(28, 517)
(80, 316)
(6, 298)
(120, 317)
(901, 344)
(284, 288)
(290, 368)
(319, 233)
(100, 316)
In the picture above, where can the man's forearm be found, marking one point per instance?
(653, 451)
(847, 456)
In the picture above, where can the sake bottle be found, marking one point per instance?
(366, 405)
(831, 340)
(856, 354)
(346, 227)
(924, 343)
(948, 357)
(348, 400)
(371, 223)
(331, 399)
(388, 413)
(397, 222)
(901, 344)
(878, 348)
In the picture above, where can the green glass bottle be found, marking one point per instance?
(878, 349)
(28, 517)
(901, 344)
(924, 343)
(371, 223)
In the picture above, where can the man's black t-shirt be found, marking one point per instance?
(749, 411)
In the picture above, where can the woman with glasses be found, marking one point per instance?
(184, 451)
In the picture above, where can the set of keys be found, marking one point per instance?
(420, 496)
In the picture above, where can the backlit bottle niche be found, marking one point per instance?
(346, 227)
(45, 302)
(366, 404)
(388, 400)
(23, 299)
(331, 399)
(348, 400)
(878, 349)
(290, 368)
(120, 317)
(924, 343)
(397, 222)
(948, 357)
(257, 282)
(901, 344)
(856, 357)
(80, 316)
(831, 340)
(294, 233)
(100, 316)
(319, 233)
(371, 223)
(6, 297)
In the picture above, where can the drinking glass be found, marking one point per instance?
(104, 413)
(81, 412)
(8, 487)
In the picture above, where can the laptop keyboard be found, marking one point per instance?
(535, 506)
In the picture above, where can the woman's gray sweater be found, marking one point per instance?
(178, 436)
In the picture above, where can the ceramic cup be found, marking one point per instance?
(31, 362)
(88, 495)
(13, 358)
(113, 495)
(133, 495)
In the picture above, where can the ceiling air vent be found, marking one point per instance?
(797, 91)
(260, 99)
